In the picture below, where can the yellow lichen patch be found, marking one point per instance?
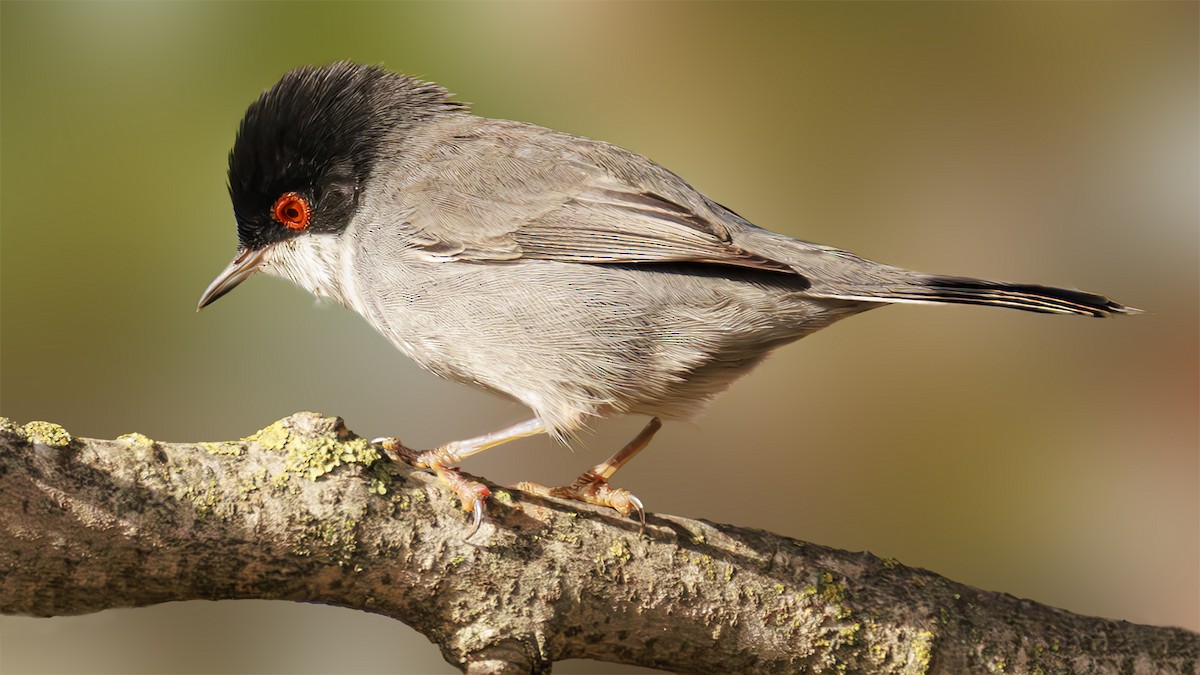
(922, 651)
(567, 536)
(850, 633)
(48, 433)
(9, 427)
(378, 486)
(705, 563)
(341, 536)
(274, 437)
(137, 440)
(831, 594)
(619, 551)
(409, 498)
(315, 456)
(206, 498)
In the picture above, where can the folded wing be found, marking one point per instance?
(521, 192)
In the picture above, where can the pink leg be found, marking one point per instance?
(472, 494)
(592, 487)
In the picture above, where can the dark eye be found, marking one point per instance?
(292, 211)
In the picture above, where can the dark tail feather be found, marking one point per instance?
(1029, 297)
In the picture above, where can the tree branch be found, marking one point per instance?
(306, 511)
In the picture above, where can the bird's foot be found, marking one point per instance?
(471, 493)
(592, 489)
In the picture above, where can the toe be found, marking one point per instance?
(396, 451)
(534, 489)
(592, 489)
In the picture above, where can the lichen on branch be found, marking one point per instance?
(305, 510)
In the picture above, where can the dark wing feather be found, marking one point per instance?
(606, 225)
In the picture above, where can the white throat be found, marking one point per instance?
(318, 263)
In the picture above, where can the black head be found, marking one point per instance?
(307, 145)
(305, 149)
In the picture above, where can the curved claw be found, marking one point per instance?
(641, 510)
(477, 508)
(380, 440)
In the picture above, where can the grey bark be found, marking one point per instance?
(306, 511)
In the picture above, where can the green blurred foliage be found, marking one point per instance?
(1052, 458)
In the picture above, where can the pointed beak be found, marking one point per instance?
(243, 266)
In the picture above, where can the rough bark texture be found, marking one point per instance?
(306, 511)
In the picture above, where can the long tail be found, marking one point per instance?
(834, 273)
(962, 290)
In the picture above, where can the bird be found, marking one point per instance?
(576, 277)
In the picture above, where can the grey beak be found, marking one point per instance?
(243, 266)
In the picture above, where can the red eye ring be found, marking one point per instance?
(292, 211)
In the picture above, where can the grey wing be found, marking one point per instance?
(490, 191)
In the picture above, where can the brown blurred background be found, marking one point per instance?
(1052, 458)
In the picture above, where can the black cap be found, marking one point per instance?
(316, 134)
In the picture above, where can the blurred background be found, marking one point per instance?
(1053, 458)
